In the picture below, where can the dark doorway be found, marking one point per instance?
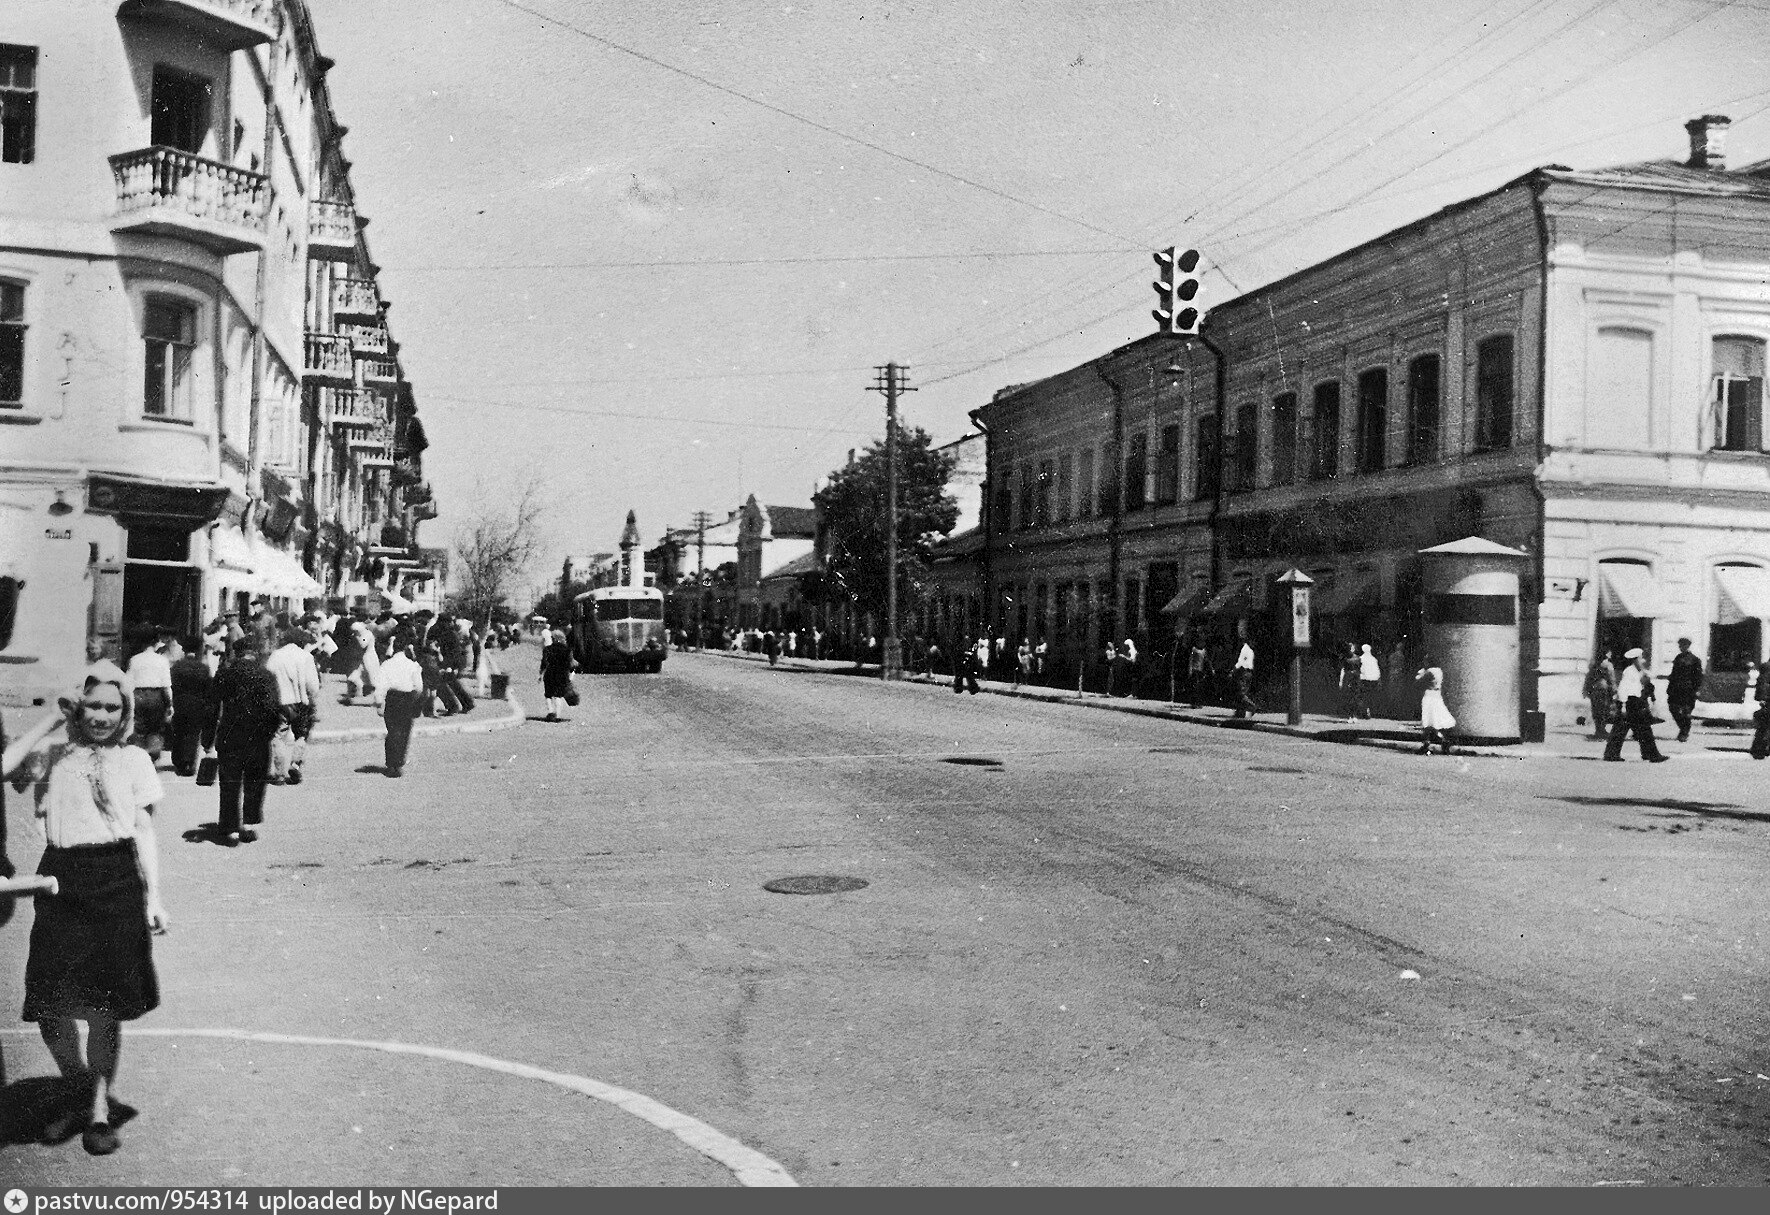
(180, 110)
(1617, 635)
(155, 596)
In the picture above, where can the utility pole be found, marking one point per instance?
(890, 380)
(701, 521)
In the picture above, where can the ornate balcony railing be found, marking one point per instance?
(377, 436)
(380, 371)
(353, 407)
(331, 230)
(326, 357)
(366, 339)
(173, 193)
(355, 297)
(232, 25)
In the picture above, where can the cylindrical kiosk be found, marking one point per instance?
(1471, 609)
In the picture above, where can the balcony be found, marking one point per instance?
(354, 299)
(331, 231)
(326, 359)
(166, 192)
(380, 372)
(352, 407)
(366, 339)
(376, 437)
(233, 25)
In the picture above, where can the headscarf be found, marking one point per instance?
(99, 760)
(558, 637)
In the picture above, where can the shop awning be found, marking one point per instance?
(1745, 594)
(283, 575)
(1237, 596)
(1186, 605)
(1625, 589)
(1348, 591)
(229, 551)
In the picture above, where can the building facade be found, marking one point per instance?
(1570, 365)
(200, 401)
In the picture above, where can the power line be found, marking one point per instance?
(647, 417)
(810, 122)
(989, 254)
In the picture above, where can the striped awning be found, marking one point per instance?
(1744, 593)
(1626, 589)
(1187, 604)
(1237, 596)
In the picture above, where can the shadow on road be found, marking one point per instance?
(28, 1106)
(1701, 809)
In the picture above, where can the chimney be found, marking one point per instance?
(1708, 141)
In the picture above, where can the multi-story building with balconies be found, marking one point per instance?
(1571, 365)
(200, 401)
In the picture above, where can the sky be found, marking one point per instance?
(648, 255)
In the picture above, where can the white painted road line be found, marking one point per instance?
(749, 1166)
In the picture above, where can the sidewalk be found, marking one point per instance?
(1715, 741)
(340, 722)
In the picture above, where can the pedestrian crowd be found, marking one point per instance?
(235, 707)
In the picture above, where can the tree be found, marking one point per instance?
(853, 510)
(493, 549)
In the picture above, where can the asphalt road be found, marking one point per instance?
(1124, 952)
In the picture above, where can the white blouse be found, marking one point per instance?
(67, 803)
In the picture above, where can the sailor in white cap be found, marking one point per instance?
(1634, 690)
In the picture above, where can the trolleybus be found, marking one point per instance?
(619, 628)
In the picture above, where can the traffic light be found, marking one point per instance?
(1174, 289)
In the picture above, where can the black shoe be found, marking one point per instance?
(1658, 759)
(294, 777)
(248, 836)
(228, 839)
(99, 1139)
(393, 772)
(1613, 759)
(551, 717)
(1684, 737)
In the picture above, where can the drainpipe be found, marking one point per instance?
(1531, 661)
(1109, 614)
(986, 512)
(254, 421)
(1219, 559)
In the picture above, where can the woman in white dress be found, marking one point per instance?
(1435, 720)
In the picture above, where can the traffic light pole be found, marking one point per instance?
(891, 383)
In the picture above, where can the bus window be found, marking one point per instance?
(647, 609)
(611, 609)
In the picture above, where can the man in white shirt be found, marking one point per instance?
(1243, 674)
(1634, 689)
(298, 697)
(400, 693)
(151, 673)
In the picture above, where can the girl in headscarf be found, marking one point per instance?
(90, 957)
(556, 673)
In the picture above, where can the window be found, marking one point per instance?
(1136, 469)
(170, 338)
(1284, 438)
(1619, 390)
(12, 344)
(1493, 393)
(1085, 483)
(1026, 496)
(1167, 468)
(1422, 409)
(1244, 451)
(1209, 456)
(1042, 505)
(18, 104)
(180, 110)
(1325, 439)
(1065, 484)
(1108, 487)
(1373, 419)
(1739, 394)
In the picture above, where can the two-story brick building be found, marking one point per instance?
(1571, 364)
(199, 396)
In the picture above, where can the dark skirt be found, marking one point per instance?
(90, 949)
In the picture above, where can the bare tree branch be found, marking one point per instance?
(494, 548)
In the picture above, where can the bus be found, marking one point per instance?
(619, 628)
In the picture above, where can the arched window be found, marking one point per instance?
(1736, 623)
(1629, 601)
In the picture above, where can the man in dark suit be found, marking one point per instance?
(193, 708)
(1682, 686)
(249, 713)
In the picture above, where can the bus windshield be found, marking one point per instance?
(630, 609)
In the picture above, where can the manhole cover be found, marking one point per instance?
(973, 761)
(814, 884)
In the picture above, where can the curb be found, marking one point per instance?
(514, 716)
(1152, 709)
